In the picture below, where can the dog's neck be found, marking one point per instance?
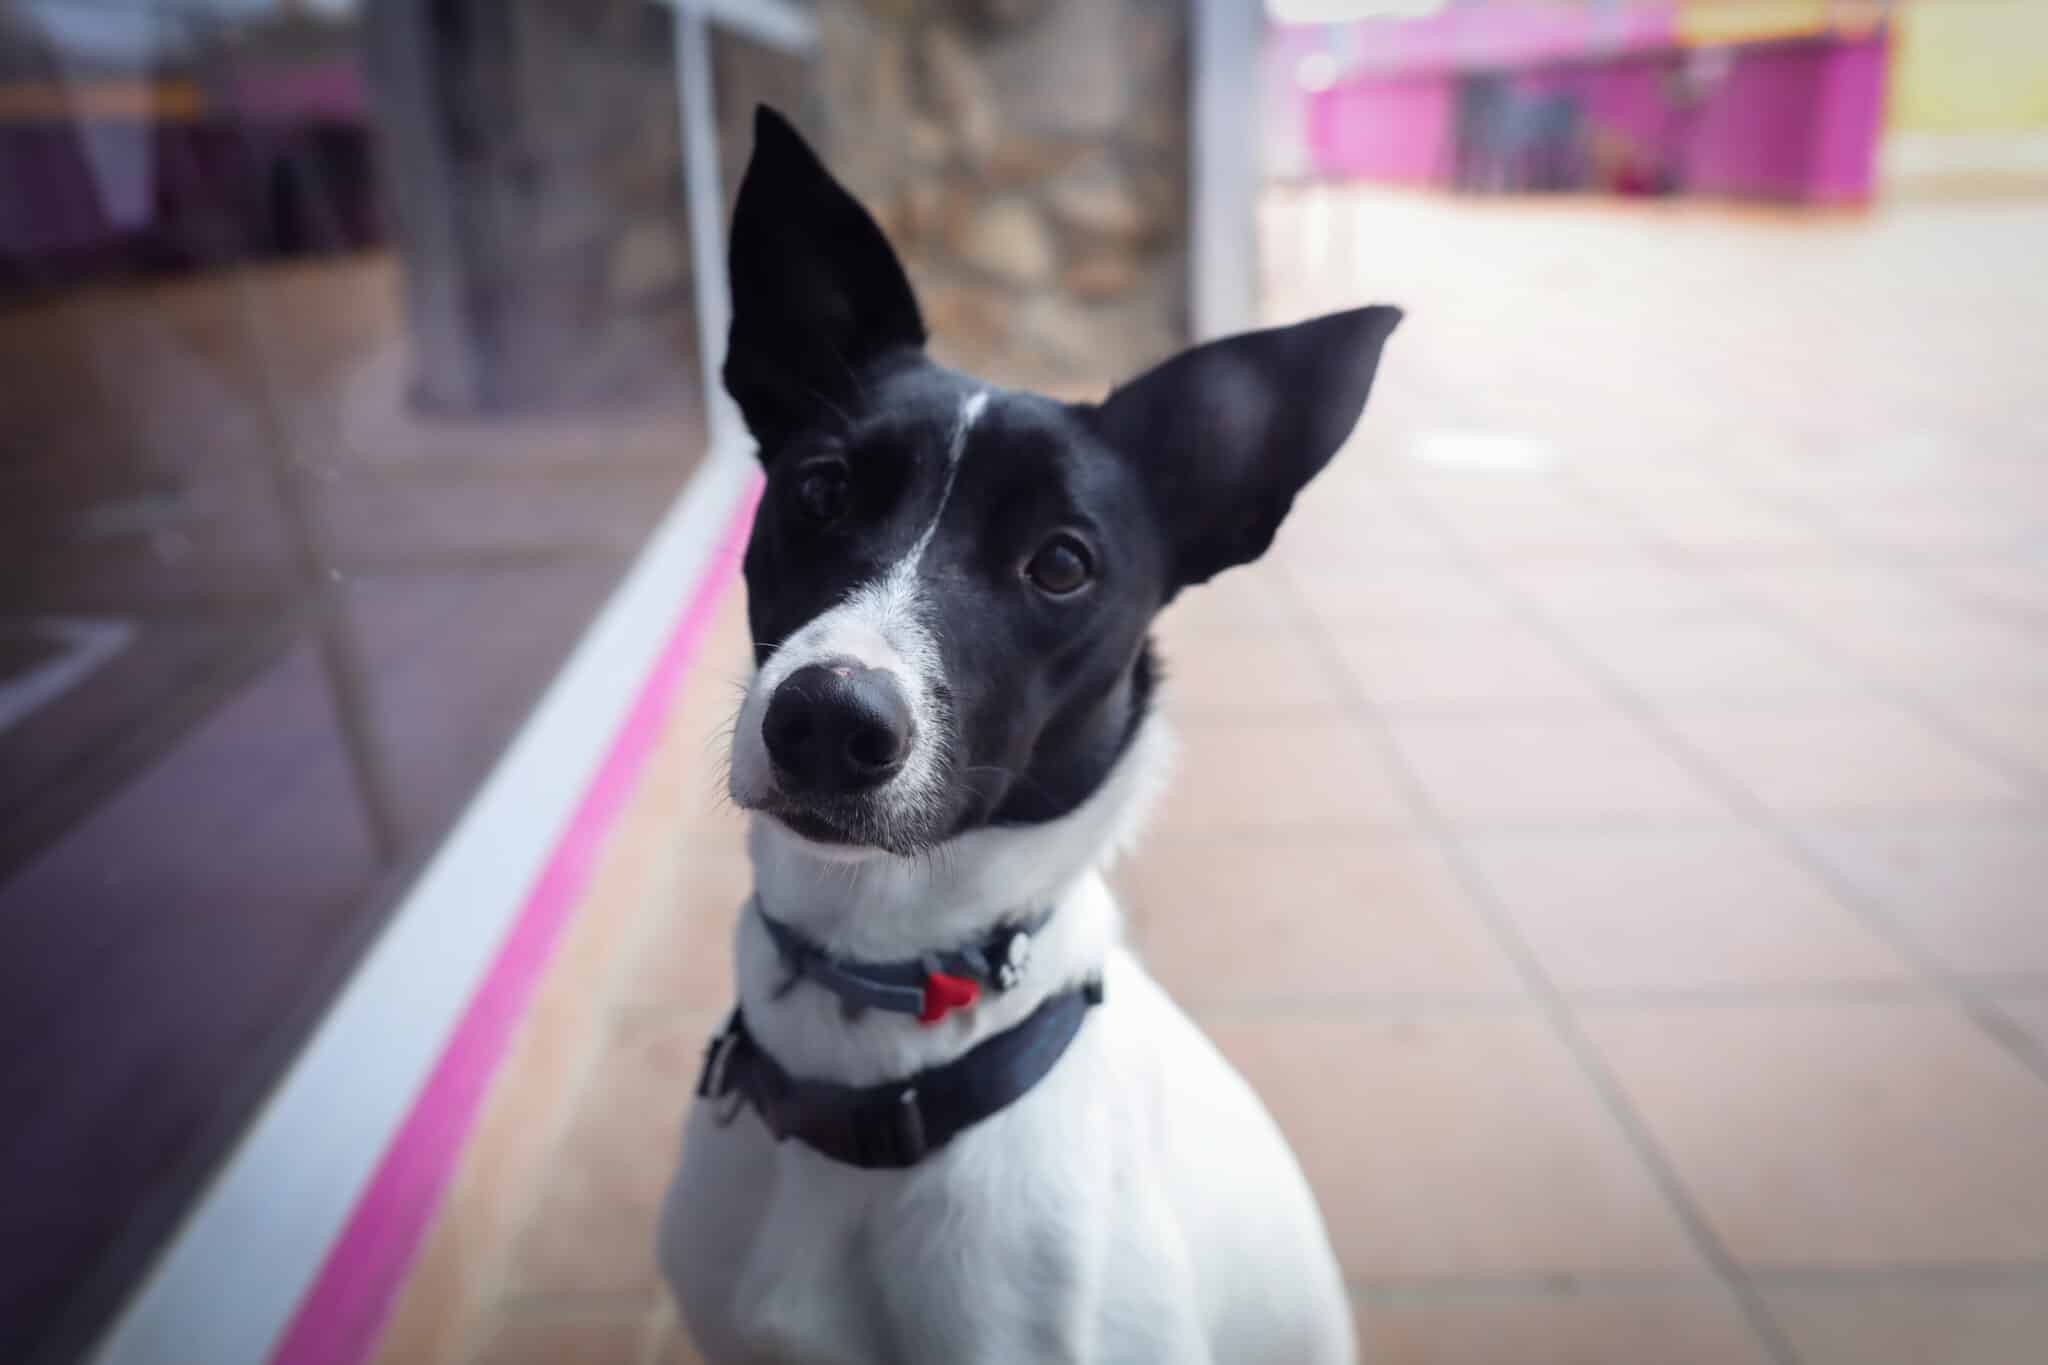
(879, 907)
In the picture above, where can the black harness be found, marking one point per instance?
(898, 1123)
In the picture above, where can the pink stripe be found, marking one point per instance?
(338, 1321)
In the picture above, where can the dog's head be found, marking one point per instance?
(951, 584)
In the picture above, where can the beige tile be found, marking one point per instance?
(562, 1336)
(1974, 896)
(1730, 525)
(1828, 588)
(1320, 775)
(1339, 593)
(1917, 1325)
(1253, 597)
(704, 715)
(1708, 655)
(437, 1302)
(2015, 590)
(1696, 1326)
(1692, 909)
(1540, 524)
(682, 959)
(2012, 725)
(591, 1230)
(2031, 1015)
(1289, 918)
(1570, 766)
(1415, 668)
(1245, 673)
(1846, 1134)
(1940, 648)
(1838, 754)
(1624, 584)
(1453, 1145)
(1345, 525)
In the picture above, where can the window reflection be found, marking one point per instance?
(349, 358)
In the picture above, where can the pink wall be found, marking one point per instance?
(1851, 122)
(1396, 131)
(1788, 121)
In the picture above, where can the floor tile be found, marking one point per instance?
(1828, 587)
(1567, 767)
(1249, 674)
(1921, 1325)
(682, 959)
(1416, 668)
(1402, 1126)
(2014, 590)
(1289, 919)
(591, 1228)
(1321, 775)
(1974, 896)
(1355, 525)
(1844, 1134)
(1623, 584)
(436, 1304)
(1939, 648)
(1535, 526)
(1700, 655)
(1836, 754)
(1587, 1327)
(1729, 525)
(1251, 598)
(2012, 726)
(2031, 1014)
(1380, 591)
(568, 1336)
(1692, 909)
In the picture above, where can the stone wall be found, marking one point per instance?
(1029, 159)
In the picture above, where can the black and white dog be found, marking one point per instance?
(953, 1119)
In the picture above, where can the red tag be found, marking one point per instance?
(943, 993)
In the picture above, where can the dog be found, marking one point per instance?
(952, 1119)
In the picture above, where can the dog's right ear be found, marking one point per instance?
(817, 293)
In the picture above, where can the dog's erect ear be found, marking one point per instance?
(817, 294)
(1227, 433)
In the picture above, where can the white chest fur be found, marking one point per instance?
(1138, 1205)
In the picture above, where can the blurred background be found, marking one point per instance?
(1640, 739)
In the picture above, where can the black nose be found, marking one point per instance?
(834, 729)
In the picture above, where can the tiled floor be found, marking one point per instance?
(1630, 776)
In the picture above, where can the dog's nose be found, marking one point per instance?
(833, 729)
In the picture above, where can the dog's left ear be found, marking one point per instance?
(817, 294)
(1227, 433)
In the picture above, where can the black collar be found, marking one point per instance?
(926, 986)
(898, 1124)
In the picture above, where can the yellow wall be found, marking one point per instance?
(1706, 22)
(1970, 66)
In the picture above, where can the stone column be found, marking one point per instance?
(1029, 159)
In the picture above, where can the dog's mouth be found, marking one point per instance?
(815, 827)
(846, 825)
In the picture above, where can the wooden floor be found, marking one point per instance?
(1611, 833)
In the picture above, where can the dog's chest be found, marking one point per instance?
(779, 1254)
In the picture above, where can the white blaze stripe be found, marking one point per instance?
(955, 448)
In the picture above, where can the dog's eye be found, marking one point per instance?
(1061, 566)
(821, 492)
